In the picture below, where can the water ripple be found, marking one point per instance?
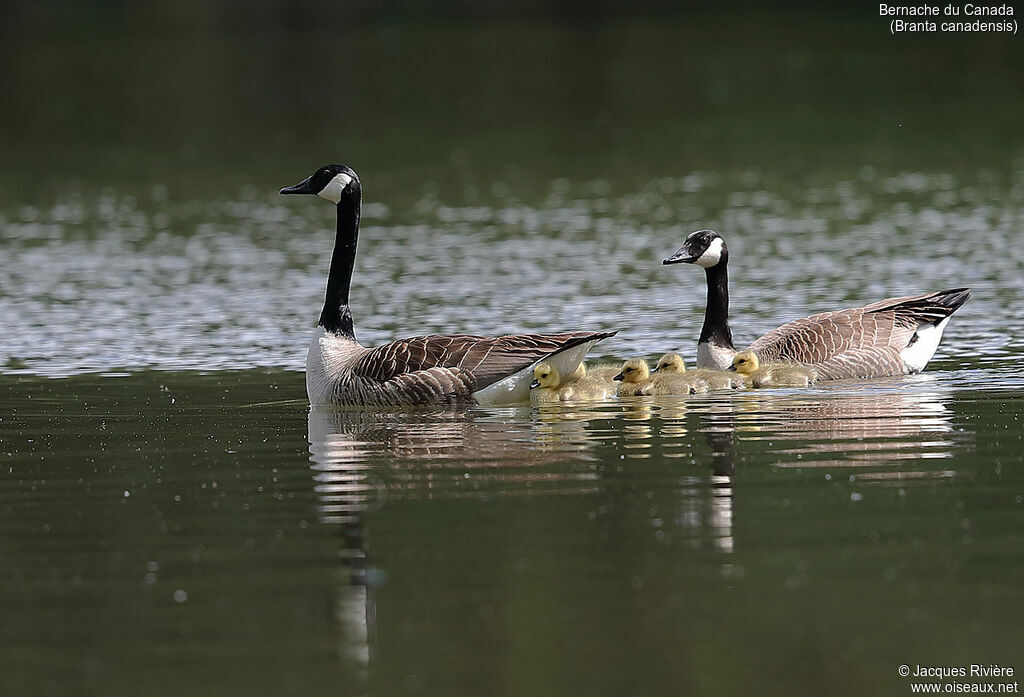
(114, 283)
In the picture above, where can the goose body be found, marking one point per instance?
(772, 374)
(636, 380)
(548, 386)
(672, 363)
(896, 336)
(445, 369)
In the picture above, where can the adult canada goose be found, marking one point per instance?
(716, 379)
(637, 380)
(891, 337)
(422, 369)
(548, 386)
(772, 374)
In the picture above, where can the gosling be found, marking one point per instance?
(716, 379)
(636, 380)
(772, 374)
(548, 387)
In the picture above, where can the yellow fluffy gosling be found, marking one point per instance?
(637, 380)
(548, 386)
(716, 379)
(772, 374)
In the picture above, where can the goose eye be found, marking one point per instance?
(544, 375)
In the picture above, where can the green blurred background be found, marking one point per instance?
(206, 94)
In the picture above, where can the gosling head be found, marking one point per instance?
(331, 182)
(745, 362)
(545, 375)
(634, 370)
(671, 363)
(704, 248)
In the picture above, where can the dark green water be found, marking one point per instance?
(167, 531)
(174, 519)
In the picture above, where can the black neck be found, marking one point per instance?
(336, 316)
(716, 314)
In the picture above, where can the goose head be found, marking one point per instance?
(545, 375)
(633, 370)
(745, 363)
(704, 248)
(330, 182)
(671, 363)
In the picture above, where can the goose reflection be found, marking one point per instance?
(345, 490)
(850, 428)
(671, 460)
(359, 458)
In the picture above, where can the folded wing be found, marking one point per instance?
(859, 342)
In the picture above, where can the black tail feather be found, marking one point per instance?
(952, 299)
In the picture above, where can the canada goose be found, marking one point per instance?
(772, 374)
(891, 337)
(422, 369)
(716, 379)
(637, 380)
(548, 386)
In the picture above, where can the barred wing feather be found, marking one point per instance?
(859, 342)
(474, 362)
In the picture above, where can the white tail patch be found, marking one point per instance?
(916, 356)
(515, 389)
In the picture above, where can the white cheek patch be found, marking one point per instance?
(332, 192)
(712, 255)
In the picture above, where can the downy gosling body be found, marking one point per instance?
(548, 387)
(772, 374)
(637, 380)
(605, 373)
(672, 363)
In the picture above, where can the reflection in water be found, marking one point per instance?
(850, 427)
(344, 490)
(360, 456)
(361, 459)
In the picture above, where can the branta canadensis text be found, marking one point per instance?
(891, 337)
(637, 380)
(548, 386)
(716, 379)
(771, 374)
(422, 369)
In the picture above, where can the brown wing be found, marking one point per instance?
(859, 341)
(480, 360)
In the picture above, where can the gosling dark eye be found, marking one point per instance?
(544, 375)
